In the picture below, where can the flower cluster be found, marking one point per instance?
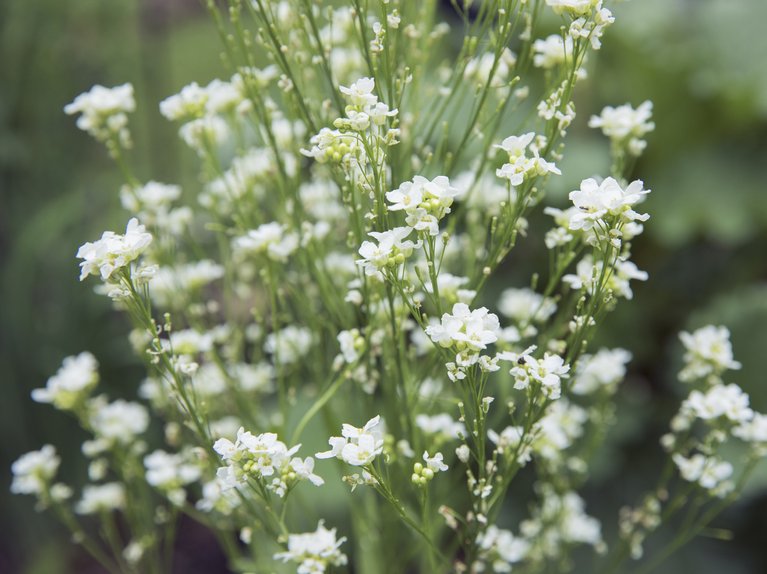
(626, 126)
(72, 384)
(314, 551)
(103, 114)
(708, 353)
(422, 475)
(424, 202)
(391, 252)
(356, 446)
(361, 133)
(606, 205)
(547, 372)
(521, 167)
(285, 286)
(265, 459)
(34, 471)
(271, 239)
(113, 253)
(468, 333)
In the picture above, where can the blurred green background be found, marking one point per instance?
(700, 61)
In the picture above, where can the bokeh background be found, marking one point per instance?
(702, 62)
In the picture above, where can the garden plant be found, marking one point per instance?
(337, 308)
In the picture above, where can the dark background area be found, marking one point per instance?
(705, 247)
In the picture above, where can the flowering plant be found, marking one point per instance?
(333, 267)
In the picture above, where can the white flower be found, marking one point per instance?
(510, 441)
(304, 470)
(547, 371)
(314, 551)
(502, 548)
(113, 252)
(101, 498)
(289, 344)
(118, 422)
(449, 286)
(71, 384)
(709, 472)
(465, 329)
(356, 446)
(516, 146)
(625, 125)
(441, 424)
(189, 103)
(479, 69)
(152, 196)
(597, 200)
(169, 472)
(603, 370)
(264, 458)
(586, 272)
(727, 401)
(525, 306)
(203, 133)
(572, 7)
(360, 93)
(754, 431)
(351, 343)
(553, 51)
(103, 112)
(558, 429)
(708, 352)
(271, 239)
(521, 167)
(34, 471)
(425, 202)
(392, 250)
(561, 518)
(434, 463)
(362, 451)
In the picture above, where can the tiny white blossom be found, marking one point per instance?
(101, 498)
(34, 471)
(707, 351)
(598, 200)
(113, 252)
(103, 112)
(72, 383)
(625, 125)
(356, 446)
(314, 551)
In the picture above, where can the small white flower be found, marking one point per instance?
(553, 51)
(304, 469)
(598, 200)
(101, 498)
(272, 239)
(526, 306)
(356, 446)
(113, 252)
(360, 93)
(708, 351)
(118, 422)
(625, 125)
(727, 401)
(314, 551)
(603, 370)
(434, 463)
(72, 383)
(392, 250)
(34, 471)
(465, 328)
(103, 112)
(572, 7)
